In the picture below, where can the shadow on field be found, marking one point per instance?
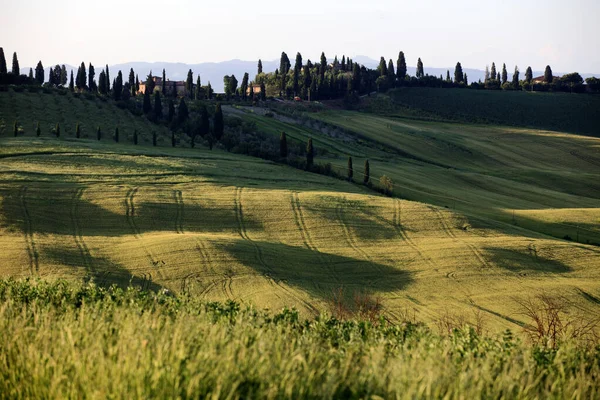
(315, 273)
(526, 261)
(102, 271)
(61, 210)
(355, 214)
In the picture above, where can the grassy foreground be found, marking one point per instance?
(60, 340)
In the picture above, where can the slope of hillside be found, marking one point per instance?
(222, 226)
(576, 113)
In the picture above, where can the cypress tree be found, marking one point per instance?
(158, 113)
(91, 76)
(71, 83)
(382, 67)
(16, 128)
(204, 122)
(283, 152)
(137, 84)
(107, 79)
(198, 88)
(458, 73)
(189, 84)
(102, 82)
(323, 65)
(51, 76)
(135, 137)
(154, 139)
(401, 67)
(82, 84)
(260, 67)
(448, 76)
(367, 173)
(504, 74)
(391, 74)
(493, 71)
(15, 65)
(182, 111)
(548, 74)
(63, 75)
(31, 73)
(263, 91)
(528, 75)
(164, 83)
(3, 70)
(150, 83)
(465, 80)
(39, 73)
(297, 69)
(310, 155)
(218, 125)
(171, 110)
(57, 130)
(118, 87)
(498, 77)
(131, 77)
(116, 134)
(77, 131)
(173, 141)
(515, 78)
(98, 133)
(147, 106)
(38, 131)
(244, 87)
(343, 66)
(350, 170)
(487, 74)
(209, 91)
(420, 71)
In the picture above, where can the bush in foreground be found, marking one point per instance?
(60, 340)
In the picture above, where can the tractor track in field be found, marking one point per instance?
(130, 214)
(404, 236)
(306, 238)
(34, 266)
(588, 159)
(351, 240)
(452, 235)
(239, 213)
(78, 235)
(178, 196)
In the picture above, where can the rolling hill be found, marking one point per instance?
(222, 226)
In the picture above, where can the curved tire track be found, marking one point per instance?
(178, 196)
(78, 235)
(32, 252)
(397, 217)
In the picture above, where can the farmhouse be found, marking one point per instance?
(255, 87)
(540, 79)
(178, 86)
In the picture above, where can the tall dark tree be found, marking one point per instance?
(322, 65)
(147, 106)
(118, 86)
(150, 83)
(548, 74)
(158, 112)
(401, 67)
(343, 65)
(182, 111)
(448, 76)
(504, 74)
(204, 128)
(310, 154)
(71, 83)
(3, 70)
(498, 78)
(63, 75)
(458, 73)
(297, 69)
(77, 131)
(164, 83)
(98, 133)
(198, 92)
(263, 91)
(82, 81)
(102, 82)
(244, 87)
(135, 137)
(233, 84)
(57, 130)
(493, 71)
(465, 79)
(137, 84)
(51, 77)
(283, 150)
(39, 73)
(515, 78)
(15, 65)
(420, 71)
(209, 91)
(260, 67)
(38, 131)
(131, 77)
(116, 137)
(91, 75)
(382, 67)
(31, 73)
(367, 173)
(154, 139)
(391, 74)
(218, 125)
(350, 169)
(107, 79)
(171, 110)
(189, 84)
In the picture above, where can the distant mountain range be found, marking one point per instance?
(213, 72)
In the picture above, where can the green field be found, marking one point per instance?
(80, 341)
(222, 226)
(565, 112)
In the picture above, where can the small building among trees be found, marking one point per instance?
(178, 86)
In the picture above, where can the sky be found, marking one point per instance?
(563, 34)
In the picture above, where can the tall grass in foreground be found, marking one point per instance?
(61, 340)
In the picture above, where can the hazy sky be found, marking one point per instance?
(564, 34)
